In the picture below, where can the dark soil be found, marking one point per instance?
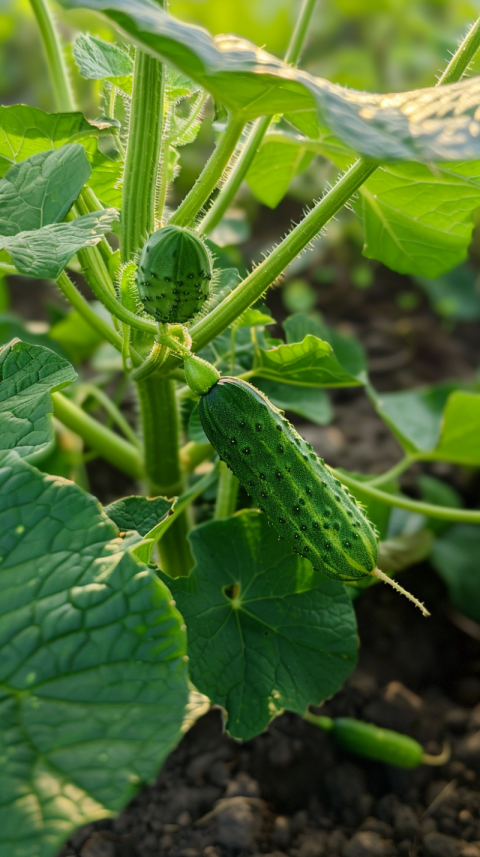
(291, 791)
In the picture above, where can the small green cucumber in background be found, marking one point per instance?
(174, 274)
(373, 742)
(305, 503)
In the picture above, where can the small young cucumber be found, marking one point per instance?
(373, 742)
(174, 274)
(298, 492)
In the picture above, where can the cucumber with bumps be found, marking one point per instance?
(298, 492)
(174, 275)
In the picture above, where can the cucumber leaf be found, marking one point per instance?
(28, 374)
(141, 514)
(440, 422)
(42, 189)
(347, 350)
(433, 124)
(273, 168)
(26, 130)
(93, 677)
(45, 252)
(100, 60)
(266, 632)
(310, 363)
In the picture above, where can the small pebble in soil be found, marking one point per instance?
(366, 843)
(441, 845)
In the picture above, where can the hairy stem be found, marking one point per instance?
(57, 68)
(211, 173)
(227, 493)
(109, 445)
(256, 135)
(161, 433)
(463, 56)
(394, 471)
(252, 288)
(143, 154)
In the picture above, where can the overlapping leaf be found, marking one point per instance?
(45, 252)
(26, 130)
(28, 374)
(42, 189)
(139, 513)
(93, 679)
(265, 631)
(439, 422)
(425, 125)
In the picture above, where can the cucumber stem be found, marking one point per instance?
(143, 154)
(227, 493)
(211, 173)
(393, 583)
(57, 67)
(161, 431)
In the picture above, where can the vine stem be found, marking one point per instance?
(56, 62)
(463, 56)
(260, 128)
(111, 446)
(161, 432)
(143, 154)
(112, 410)
(211, 174)
(252, 288)
(442, 513)
(227, 493)
(394, 471)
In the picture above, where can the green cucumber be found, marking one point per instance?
(373, 742)
(305, 503)
(174, 274)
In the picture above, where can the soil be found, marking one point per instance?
(291, 791)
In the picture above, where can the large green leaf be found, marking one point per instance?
(311, 363)
(415, 416)
(347, 350)
(455, 556)
(273, 168)
(265, 631)
(92, 667)
(26, 130)
(441, 422)
(42, 189)
(45, 252)
(139, 513)
(28, 374)
(460, 433)
(428, 124)
(418, 219)
(100, 60)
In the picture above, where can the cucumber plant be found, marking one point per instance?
(109, 614)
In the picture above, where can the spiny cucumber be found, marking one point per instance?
(303, 500)
(174, 274)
